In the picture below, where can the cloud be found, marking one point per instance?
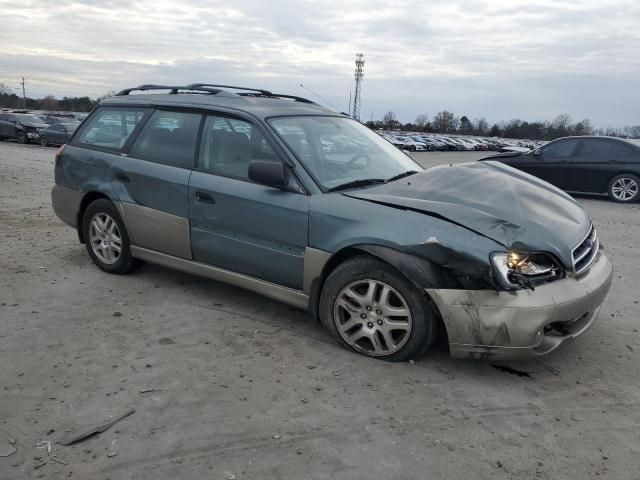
(495, 58)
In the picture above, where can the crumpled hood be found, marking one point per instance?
(33, 125)
(511, 207)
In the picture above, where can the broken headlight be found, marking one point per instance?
(524, 270)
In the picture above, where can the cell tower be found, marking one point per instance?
(358, 95)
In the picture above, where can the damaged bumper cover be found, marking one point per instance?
(524, 323)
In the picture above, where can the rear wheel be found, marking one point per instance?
(373, 309)
(624, 188)
(106, 238)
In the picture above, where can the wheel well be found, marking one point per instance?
(350, 252)
(86, 201)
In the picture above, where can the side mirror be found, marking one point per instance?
(267, 172)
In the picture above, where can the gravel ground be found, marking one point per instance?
(227, 384)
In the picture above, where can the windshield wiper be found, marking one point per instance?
(401, 175)
(357, 183)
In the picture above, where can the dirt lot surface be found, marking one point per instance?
(227, 384)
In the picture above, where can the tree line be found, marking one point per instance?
(8, 99)
(442, 122)
(447, 122)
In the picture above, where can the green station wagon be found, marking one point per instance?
(283, 197)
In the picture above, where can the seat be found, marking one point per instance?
(231, 153)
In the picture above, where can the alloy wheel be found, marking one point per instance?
(624, 189)
(105, 238)
(372, 317)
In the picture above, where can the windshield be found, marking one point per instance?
(338, 150)
(26, 118)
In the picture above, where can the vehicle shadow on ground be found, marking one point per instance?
(221, 297)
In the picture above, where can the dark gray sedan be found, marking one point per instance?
(57, 134)
(584, 165)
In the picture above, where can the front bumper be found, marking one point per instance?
(524, 323)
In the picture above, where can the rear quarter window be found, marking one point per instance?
(620, 151)
(110, 128)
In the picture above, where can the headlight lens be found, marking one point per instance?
(519, 270)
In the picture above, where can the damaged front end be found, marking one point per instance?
(512, 263)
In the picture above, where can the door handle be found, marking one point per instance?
(204, 197)
(122, 177)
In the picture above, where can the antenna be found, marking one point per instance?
(359, 74)
(323, 99)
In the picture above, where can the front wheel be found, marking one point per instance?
(43, 142)
(106, 238)
(373, 309)
(624, 188)
(22, 136)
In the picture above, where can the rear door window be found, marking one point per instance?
(595, 150)
(110, 128)
(170, 138)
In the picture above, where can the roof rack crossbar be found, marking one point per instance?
(199, 85)
(173, 89)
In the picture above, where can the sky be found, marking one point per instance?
(498, 59)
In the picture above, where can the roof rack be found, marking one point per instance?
(212, 89)
(251, 92)
(173, 89)
(206, 85)
(278, 95)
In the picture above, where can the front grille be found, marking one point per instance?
(585, 253)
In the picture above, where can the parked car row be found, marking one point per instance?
(416, 142)
(47, 128)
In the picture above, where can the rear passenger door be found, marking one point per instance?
(592, 165)
(239, 225)
(147, 157)
(152, 182)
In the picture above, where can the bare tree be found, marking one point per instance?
(481, 126)
(421, 121)
(5, 90)
(390, 121)
(49, 103)
(445, 122)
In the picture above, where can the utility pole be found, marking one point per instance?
(24, 96)
(349, 109)
(359, 74)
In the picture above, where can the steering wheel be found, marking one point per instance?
(358, 156)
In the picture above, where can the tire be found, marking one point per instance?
(412, 148)
(372, 336)
(21, 135)
(103, 248)
(624, 188)
(43, 142)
